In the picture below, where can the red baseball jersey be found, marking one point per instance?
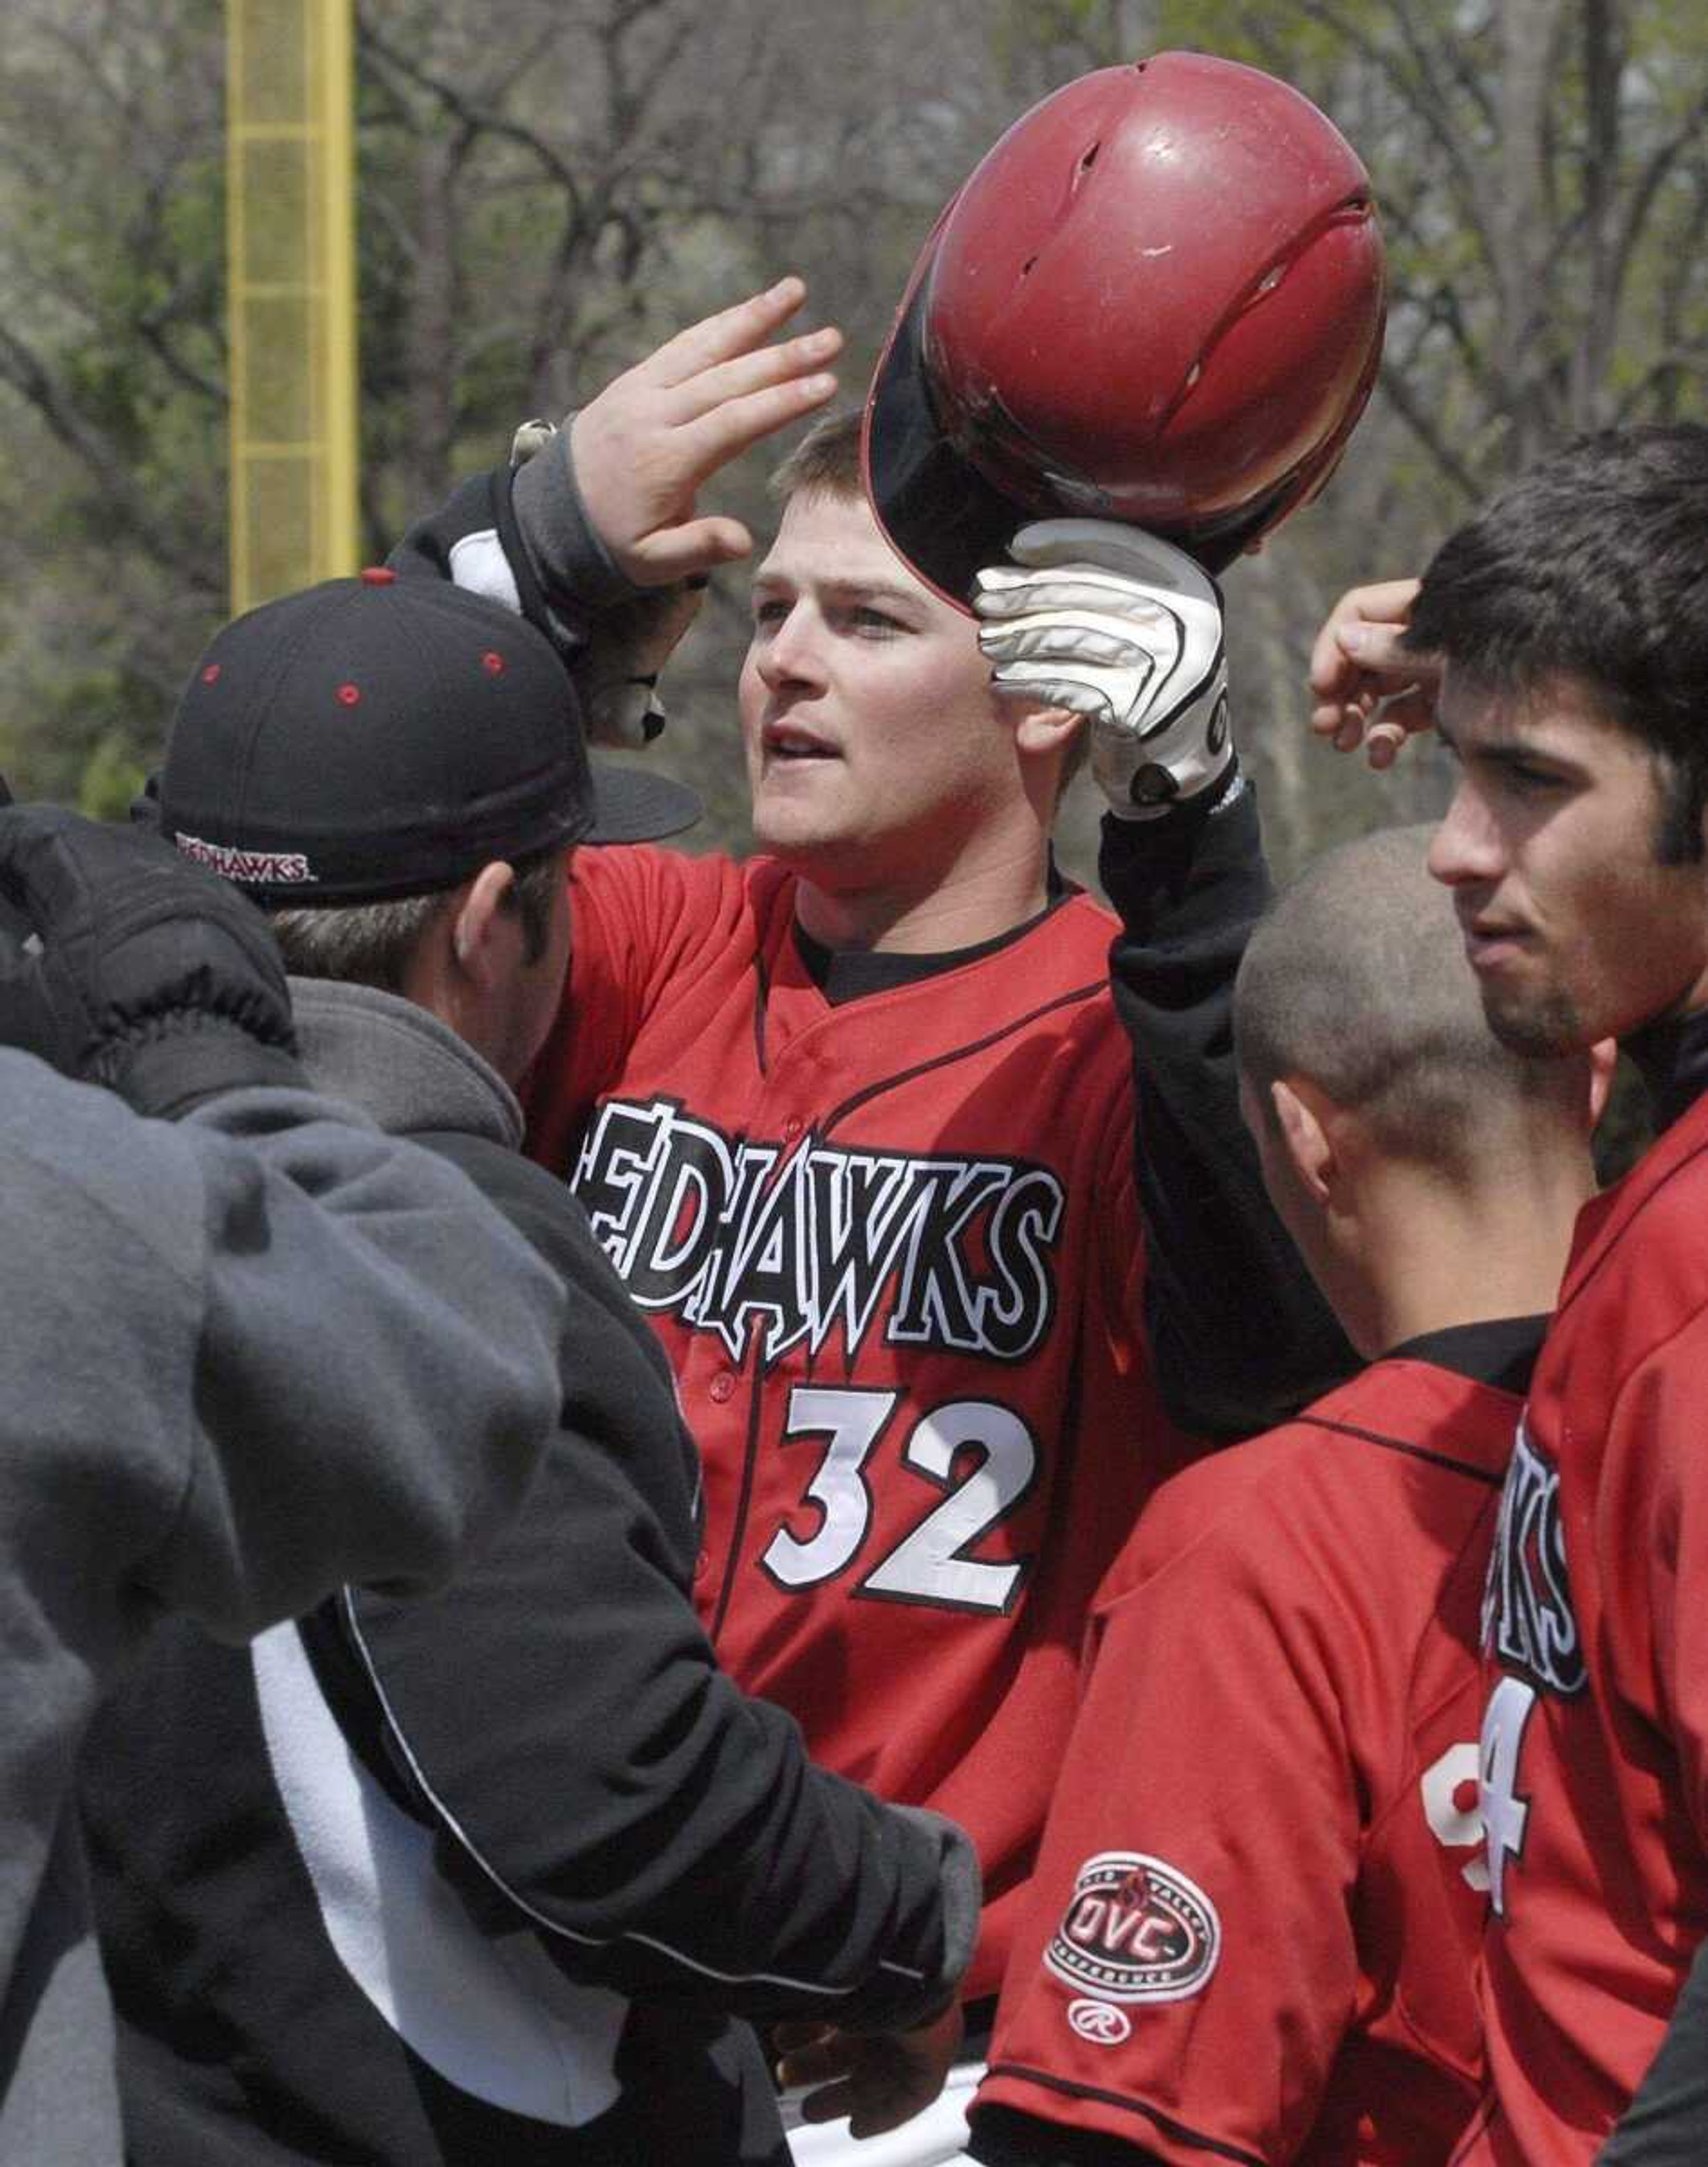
(1595, 1737)
(892, 1247)
(1252, 1932)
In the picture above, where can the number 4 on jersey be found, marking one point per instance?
(1505, 1813)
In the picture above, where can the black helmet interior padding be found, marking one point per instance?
(938, 511)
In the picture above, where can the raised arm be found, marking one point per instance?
(1241, 1336)
(594, 531)
(1127, 630)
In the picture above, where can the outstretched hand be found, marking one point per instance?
(645, 445)
(879, 2079)
(1366, 689)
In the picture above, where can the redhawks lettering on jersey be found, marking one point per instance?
(755, 1240)
(1528, 1622)
(1136, 1930)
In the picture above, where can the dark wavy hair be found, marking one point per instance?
(1594, 566)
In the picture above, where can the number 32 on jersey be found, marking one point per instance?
(976, 1458)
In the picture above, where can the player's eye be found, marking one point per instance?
(1527, 780)
(875, 623)
(770, 610)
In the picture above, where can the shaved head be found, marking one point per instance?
(1356, 981)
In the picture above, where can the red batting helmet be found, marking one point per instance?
(1158, 300)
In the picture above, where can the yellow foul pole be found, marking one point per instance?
(291, 263)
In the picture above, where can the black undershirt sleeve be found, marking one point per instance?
(1003, 2137)
(1241, 1336)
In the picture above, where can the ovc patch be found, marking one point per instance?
(1136, 1930)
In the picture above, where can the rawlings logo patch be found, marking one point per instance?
(1136, 1930)
(1100, 2022)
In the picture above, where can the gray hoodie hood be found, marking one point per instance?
(399, 1064)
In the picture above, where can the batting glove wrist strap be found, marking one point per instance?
(624, 635)
(1121, 626)
(565, 545)
(616, 677)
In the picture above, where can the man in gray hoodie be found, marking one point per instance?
(513, 1860)
(250, 1353)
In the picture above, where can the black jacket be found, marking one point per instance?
(486, 1876)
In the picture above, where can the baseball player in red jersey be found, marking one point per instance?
(866, 1156)
(879, 1198)
(1251, 1932)
(1571, 623)
(856, 1119)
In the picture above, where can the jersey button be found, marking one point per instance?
(702, 1565)
(722, 1386)
(792, 1128)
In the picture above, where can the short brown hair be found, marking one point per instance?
(825, 463)
(370, 944)
(1589, 568)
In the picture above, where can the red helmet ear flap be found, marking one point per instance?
(1159, 299)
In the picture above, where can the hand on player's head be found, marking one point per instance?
(645, 445)
(1366, 689)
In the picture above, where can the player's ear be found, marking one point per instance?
(478, 911)
(1044, 729)
(1305, 1138)
(1603, 1059)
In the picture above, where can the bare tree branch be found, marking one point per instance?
(1423, 425)
(122, 504)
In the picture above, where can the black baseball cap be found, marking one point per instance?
(379, 737)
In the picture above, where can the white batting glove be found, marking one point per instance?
(1119, 625)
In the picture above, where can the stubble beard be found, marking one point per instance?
(1546, 1023)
